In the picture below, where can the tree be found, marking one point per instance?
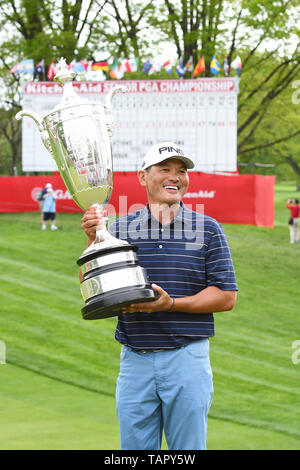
(277, 127)
(10, 128)
(266, 36)
(266, 92)
(11, 131)
(126, 26)
(42, 29)
(75, 29)
(193, 25)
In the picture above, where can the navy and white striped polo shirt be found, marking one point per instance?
(183, 258)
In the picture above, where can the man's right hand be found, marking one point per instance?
(92, 221)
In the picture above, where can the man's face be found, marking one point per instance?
(166, 182)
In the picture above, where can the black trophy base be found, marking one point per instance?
(110, 304)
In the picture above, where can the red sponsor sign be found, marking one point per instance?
(234, 198)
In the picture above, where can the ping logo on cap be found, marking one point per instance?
(171, 149)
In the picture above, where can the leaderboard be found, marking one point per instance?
(199, 114)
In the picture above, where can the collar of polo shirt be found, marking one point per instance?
(145, 214)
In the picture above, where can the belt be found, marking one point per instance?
(144, 351)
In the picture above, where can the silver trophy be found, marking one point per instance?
(78, 134)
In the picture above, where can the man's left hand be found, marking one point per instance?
(163, 303)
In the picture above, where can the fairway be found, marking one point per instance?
(58, 382)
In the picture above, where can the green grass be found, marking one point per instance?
(42, 413)
(58, 383)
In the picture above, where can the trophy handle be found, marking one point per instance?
(39, 123)
(109, 116)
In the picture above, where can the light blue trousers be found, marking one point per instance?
(168, 390)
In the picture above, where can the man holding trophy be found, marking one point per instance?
(165, 380)
(164, 295)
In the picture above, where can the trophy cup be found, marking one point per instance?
(78, 134)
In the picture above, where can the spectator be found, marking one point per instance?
(40, 198)
(294, 207)
(49, 208)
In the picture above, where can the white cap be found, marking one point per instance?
(160, 152)
(48, 185)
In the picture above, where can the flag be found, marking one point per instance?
(215, 67)
(117, 70)
(39, 68)
(51, 70)
(180, 69)
(147, 66)
(189, 65)
(237, 65)
(100, 65)
(113, 68)
(25, 66)
(134, 64)
(78, 67)
(167, 66)
(226, 66)
(200, 67)
(87, 64)
(156, 66)
(130, 65)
